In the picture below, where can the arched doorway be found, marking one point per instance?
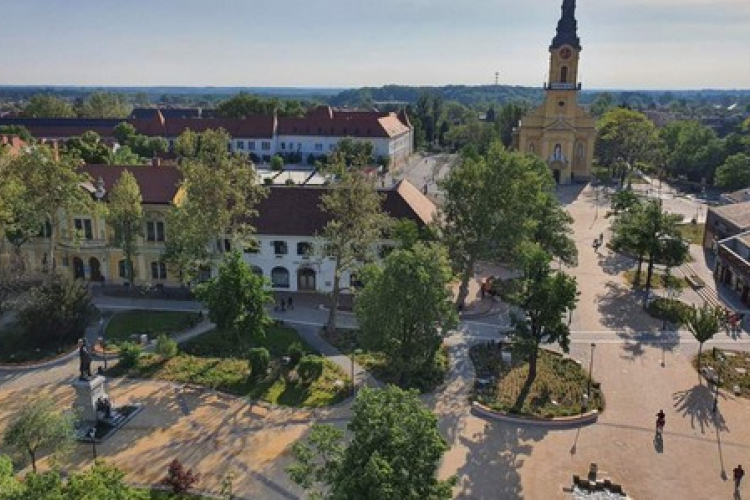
(306, 280)
(78, 271)
(95, 270)
(279, 277)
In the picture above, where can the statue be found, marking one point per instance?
(85, 361)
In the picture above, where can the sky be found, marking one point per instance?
(627, 44)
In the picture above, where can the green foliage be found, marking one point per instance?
(405, 308)
(625, 137)
(18, 130)
(353, 153)
(546, 297)
(703, 323)
(237, 298)
(57, 311)
(259, 360)
(510, 114)
(693, 150)
(734, 173)
(101, 481)
(125, 324)
(88, 147)
(395, 452)
(243, 105)
(672, 310)
(166, 347)
(38, 428)
(295, 353)
(130, 355)
(603, 102)
(310, 368)
(125, 215)
(140, 145)
(104, 105)
(356, 222)
(277, 163)
(47, 106)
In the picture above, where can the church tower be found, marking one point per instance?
(559, 130)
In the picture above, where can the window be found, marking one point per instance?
(532, 149)
(240, 144)
(84, 228)
(304, 248)
(581, 151)
(251, 145)
(319, 147)
(123, 269)
(279, 277)
(331, 146)
(227, 244)
(251, 248)
(283, 145)
(158, 271)
(279, 247)
(564, 74)
(46, 230)
(265, 146)
(154, 230)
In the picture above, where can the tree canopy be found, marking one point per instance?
(125, 214)
(47, 106)
(734, 173)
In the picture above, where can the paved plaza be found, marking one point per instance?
(641, 368)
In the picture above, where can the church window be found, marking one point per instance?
(532, 149)
(564, 74)
(581, 151)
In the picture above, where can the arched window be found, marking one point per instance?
(279, 277)
(564, 74)
(581, 151)
(158, 270)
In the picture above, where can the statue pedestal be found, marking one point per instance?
(88, 393)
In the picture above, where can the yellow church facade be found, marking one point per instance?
(560, 131)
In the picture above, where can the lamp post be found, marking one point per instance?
(719, 359)
(351, 358)
(591, 372)
(92, 435)
(103, 341)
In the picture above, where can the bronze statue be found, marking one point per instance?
(85, 361)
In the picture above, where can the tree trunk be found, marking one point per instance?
(637, 279)
(700, 350)
(33, 460)
(51, 263)
(533, 357)
(333, 311)
(649, 273)
(463, 290)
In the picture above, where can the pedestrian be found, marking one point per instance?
(661, 419)
(739, 473)
(601, 238)
(290, 303)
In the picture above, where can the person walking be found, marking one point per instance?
(739, 473)
(661, 420)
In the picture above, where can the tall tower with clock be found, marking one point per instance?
(560, 131)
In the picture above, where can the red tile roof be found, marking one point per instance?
(295, 210)
(325, 121)
(159, 184)
(12, 142)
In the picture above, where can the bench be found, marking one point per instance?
(695, 281)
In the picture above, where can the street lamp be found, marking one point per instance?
(351, 358)
(103, 342)
(591, 372)
(92, 436)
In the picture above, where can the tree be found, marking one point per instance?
(405, 309)
(47, 106)
(692, 150)
(395, 452)
(545, 296)
(125, 214)
(244, 105)
(104, 105)
(123, 155)
(603, 102)
(625, 137)
(39, 428)
(703, 323)
(353, 153)
(510, 114)
(356, 223)
(48, 188)
(18, 130)
(57, 311)
(102, 481)
(237, 299)
(734, 173)
(180, 479)
(490, 200)
(88, 148)
(220, 193)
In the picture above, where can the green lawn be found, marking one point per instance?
(692, 233)
(122, 326)
(218, 360)
(657, 280)
(377, 364)
(557, 390)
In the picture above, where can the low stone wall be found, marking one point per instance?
(583, 419)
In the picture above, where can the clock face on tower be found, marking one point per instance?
(565, 53)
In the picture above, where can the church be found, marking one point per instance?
(560, 131)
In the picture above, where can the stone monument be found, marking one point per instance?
(88, 393)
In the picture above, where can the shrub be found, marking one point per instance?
(671, 310)
(166, 347)
(310, 368)
(179, 479)
(129, 354)
(289, 182)
(259, 359)
(277, 162)
(295, 353)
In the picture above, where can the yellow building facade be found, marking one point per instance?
(84, 242)
(560, 131)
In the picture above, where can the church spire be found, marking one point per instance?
(567, 27)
